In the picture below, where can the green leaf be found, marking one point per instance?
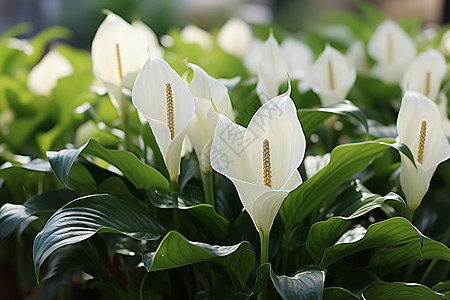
(346, 161)
(85, 216)
(392, 232)
(313, 118)
(16, 216)
(338, 293)
(400, 290)
(443, 288)
(305, 284)
(176, 251)
(326, 233)
(140, 174)
(387, 260)
(221, 295)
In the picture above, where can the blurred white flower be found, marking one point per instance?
(192, 34)
(235, 37)
(332, 76)
(272, 70)
(253, 55)
(315, 163)
(147, 34)
(393, 49)
(45, 75)
(357, 57)
(164, 99)
(442, 106)
(425, 74)
(419, 127)
(262, 160)
(118, 53)
(299, 58)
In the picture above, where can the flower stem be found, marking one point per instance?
(435, 260)
(208, 187)
(264, 239)
(285, 257)
(174, 192)
(409, 214)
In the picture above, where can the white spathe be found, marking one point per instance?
(425, 74)
(332, 76)
(415, 110)
(442, 105)
(146, 33)
(235, 37)
(357, 57)
(192, 34)
(211, 97)
(272, 70)
(237, 153)
(150, 98)
(44, 77)
(299, 58)
(393, 49)
(118, 53)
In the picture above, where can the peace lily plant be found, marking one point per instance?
(272, 69)
(393, 49)
(211, 98)
(419, 127)
(425, 74)
(164, 99)
(332, 76)
(118, 52)
(262, 160)
(154, 221)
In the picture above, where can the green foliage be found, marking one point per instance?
(85, 193)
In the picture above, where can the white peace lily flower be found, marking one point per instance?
(357, 57)
(235, 37)
(272, 70)
(253, 55)
(419, 127)
(315, 163)
(442, 105)
(211, 97)
(445, 43)
(332, 76)
(118, 53)
(146, 33)
(299, 57)
(192, 34)
(393, 49)
(45, 75)
(425, 74)
(164, 99)
(262, 160)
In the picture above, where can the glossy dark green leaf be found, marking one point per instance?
(392, 232)
(140, 174)
(387, 260)
(401, 291)
(17, 217)
(338, 293)
(313, 118)
(85, 216)
(326, 233)
(443, 288)
(176, 251)
(346, 161)
(221, 295)
(304, 285)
